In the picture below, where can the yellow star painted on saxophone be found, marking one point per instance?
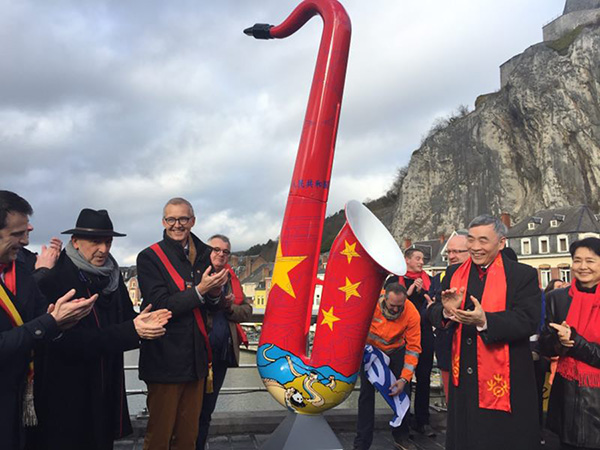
(350, 289)
(350, 251)
(329, 318)
(283, 265)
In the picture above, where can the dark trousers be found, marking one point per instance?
(210, 402)
(366, 407)
(423, 374)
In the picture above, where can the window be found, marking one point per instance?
(531, 226)
(565, 275)
(562, 243)
(545, 277)
(554, 223)
(526, 246)
(544, 245)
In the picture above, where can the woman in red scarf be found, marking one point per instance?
(573, 332)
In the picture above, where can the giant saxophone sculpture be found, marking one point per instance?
(359, 260)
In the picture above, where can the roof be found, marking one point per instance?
(257, 275)
(128, 272)
(571, 219)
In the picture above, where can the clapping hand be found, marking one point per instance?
(564, 333)
(68, 312)
(475, 317)
(212, 282)
(49, 255)
(428, 300)
(229, 298)
(416, 286)
(451, 300)
(151, 325)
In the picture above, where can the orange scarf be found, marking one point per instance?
(584, 316)
(493, 362)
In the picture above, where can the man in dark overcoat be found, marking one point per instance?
(176, 274)
(493, 304)
(81, 401)
(25, 320)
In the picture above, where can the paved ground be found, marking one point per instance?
(239, 431)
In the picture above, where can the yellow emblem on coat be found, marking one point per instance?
(350, 251)
(498, 386)
(455, 365)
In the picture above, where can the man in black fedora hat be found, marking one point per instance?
(86, 407)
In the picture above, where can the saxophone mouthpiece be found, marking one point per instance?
(260, 31)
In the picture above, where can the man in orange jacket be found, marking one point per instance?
(395, 330)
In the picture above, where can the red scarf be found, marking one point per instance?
(493, 362)
(10, 281)
(584, 316)
(10, 276)
(416, 275)
(238, 295)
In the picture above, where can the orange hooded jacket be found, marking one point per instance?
(392, 335)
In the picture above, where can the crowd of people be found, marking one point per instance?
(66, 318)
(493, 333)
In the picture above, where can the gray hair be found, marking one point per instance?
(486, 219)
(179, 201)
(462, 232)
(222, 237)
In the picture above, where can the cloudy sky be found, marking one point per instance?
(124, 104)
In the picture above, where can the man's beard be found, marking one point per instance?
(387, 313)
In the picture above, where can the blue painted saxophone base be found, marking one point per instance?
(299, 386)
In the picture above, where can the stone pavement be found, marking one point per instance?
(241, 431)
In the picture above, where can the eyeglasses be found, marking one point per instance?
(450, 252)
(221, 250)
(182, 220)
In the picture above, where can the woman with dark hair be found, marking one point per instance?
(555, 283)
(572, 332)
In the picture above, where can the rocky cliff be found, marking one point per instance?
(534, 144)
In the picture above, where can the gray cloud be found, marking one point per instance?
(122, 105)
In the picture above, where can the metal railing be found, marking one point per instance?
(244, 390)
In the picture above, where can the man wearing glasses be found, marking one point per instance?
(176, 274)
(225, 332)
(457, 251)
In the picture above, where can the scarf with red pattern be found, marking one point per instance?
(584, 316)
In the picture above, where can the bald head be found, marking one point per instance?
(457, 249)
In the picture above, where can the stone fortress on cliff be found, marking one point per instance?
(577, 13)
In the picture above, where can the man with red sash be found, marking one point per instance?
(494, 305)
(417, 284)
(25, 320)
(176, 274)
(225, 331)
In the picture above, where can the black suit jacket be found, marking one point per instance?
(180, 355)
(474, 428)
(16, 345)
